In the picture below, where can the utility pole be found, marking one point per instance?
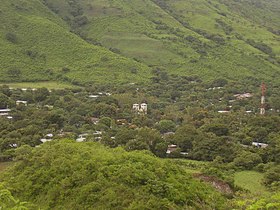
(263, 99)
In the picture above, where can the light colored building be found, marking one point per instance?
(80, 139)
(144, 108)
(45, 140)
(223, 112)
(49, 135)
(171, 148)
(243, 96)
(93, 96)
(259, 145)
(4, 112)
(140, 108)
(136, 107)
(21, 102)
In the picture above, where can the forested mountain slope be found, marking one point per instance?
(38, 45)
(207, 38)
(231, 39)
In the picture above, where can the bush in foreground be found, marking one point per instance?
(69, 175)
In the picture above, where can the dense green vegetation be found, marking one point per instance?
(207, 38)
(176, 116)
(46, 40)
(36, 45)
(70, 139)
(67, 175)
(7, 201)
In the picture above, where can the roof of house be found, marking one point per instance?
(19, 101)
(5, 110)
(223, 111)
(4, 114)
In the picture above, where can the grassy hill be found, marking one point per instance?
(68, 175)
(38, 45)
(217, 38)
(205, 38)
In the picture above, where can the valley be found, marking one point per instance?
(143, 104)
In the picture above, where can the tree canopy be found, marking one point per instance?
(69, 175)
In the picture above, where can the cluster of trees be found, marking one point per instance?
(63, 175)
(178, 114)
(260, 46)
(199, 131)
(74, 14)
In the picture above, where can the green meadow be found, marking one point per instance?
(250, 180)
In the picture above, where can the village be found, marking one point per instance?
(99, 133)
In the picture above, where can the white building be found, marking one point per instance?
(144, 108)
(4, 112)
(171, 148)
(93, 96)
(136, 107)
(243, 96)
(49, 135)
(140, 108)
(80, 139)
(45, 140)
(21, 102)
(259, 145)
(223, 112)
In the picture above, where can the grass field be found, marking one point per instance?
(49, 85)
(250, 180)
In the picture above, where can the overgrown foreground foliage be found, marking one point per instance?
(68, 175)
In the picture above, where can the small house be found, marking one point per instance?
(259, 145)
(223, 112)
(171, 148)
(94, 96)
(49, 135)
(21, 102)
(243, 96)
(4, 112)
(136, 107)
(80, 139)
(144, 108)
(45, 140)
(140, 108)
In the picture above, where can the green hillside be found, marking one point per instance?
(38, 45)
(63, 39)
(205, 38)
(67, 175)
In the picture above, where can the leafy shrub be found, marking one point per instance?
(247, 160)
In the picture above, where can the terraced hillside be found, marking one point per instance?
(214, 38)
(36, 44)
